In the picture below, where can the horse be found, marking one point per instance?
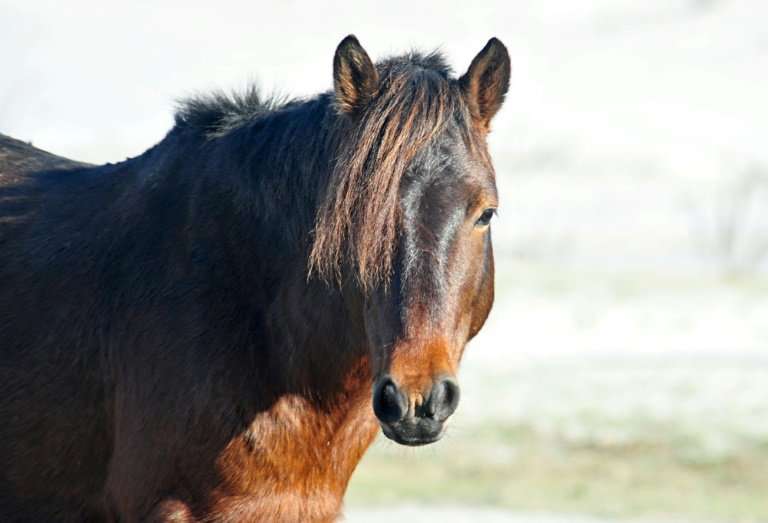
(217, 329)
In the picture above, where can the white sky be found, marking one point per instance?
(97, 80)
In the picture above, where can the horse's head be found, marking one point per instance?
(408, 213)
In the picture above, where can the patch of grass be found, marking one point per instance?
(518, 468)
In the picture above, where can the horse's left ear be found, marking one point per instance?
(355, 79)
(486, 82)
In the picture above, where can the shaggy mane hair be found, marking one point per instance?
(216, 114)
(357, 219)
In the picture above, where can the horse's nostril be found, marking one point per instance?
(444, 399)
(389, 404)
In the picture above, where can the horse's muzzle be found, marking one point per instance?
(414, 419)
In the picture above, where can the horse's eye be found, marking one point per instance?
(485, 218)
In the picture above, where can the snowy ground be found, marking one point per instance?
(459, 514)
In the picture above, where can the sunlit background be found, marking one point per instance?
(623, 373)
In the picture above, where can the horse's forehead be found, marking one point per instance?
(449, 172)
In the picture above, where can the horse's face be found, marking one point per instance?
(439, 288)
(440, 292)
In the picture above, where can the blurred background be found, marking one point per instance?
(623, 374)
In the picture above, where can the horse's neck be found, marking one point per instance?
(320, 423)
(298, 454)
(321, 441)
(303, 441)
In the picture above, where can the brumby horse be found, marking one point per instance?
(216, 329)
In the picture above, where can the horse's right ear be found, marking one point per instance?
(355, 79)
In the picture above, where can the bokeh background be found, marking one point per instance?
(623, 373)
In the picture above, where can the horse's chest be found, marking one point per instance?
(293, 464)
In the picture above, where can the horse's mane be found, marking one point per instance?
(216, 114)
(357, 218)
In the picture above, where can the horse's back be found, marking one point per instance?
(52, 411)
(18, 157)
(30, 179)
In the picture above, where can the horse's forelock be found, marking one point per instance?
(357, 222)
